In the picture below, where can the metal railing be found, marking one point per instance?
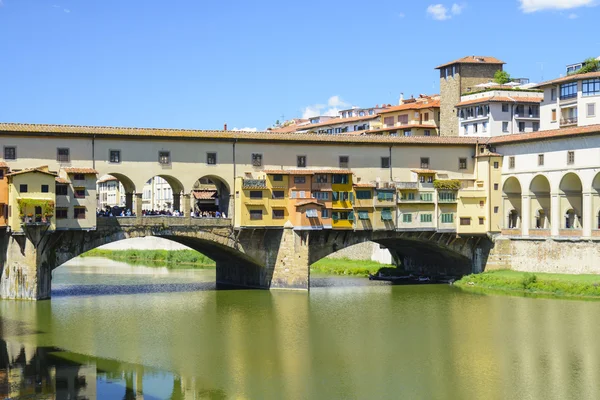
(568, 121)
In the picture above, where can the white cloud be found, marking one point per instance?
(67, 10)
(438, 12)
(573, 16)
(457, 8)
(530, 6)
(245, 129)
(333, 106)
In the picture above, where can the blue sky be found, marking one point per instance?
(198, 64)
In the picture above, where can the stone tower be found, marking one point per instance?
(458, 77)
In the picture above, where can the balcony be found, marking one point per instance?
(419, 197)
(567, 121)
(406, 185)
(254, 184)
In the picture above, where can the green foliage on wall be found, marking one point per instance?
(589, 65)
(446, 184)
(47, 206)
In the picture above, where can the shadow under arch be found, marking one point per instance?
(511, 193)
(212, 193)
(571, 201)
(127, 183)
(540, 202)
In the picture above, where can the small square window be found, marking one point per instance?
(114, 156)
(23, 188)
(465, 221)
(570, 157)
(79, 212)
(385, 162)
(211, 158)
(425, 162)
(495, 186)
(164, 157)
(10, 153)
(257, 160)
(496, 209)
(61, 213)
(45, 189)
(540, 160)
(299, 179)
(61, 189)
(481, 220)
(511, 162)
(301, 161)
(62, 155)
(344, 161)
(504, 107)
(462, 163)
(482, 204)
(278, 178)
(79, 193)
(255, 215)
(496, 165)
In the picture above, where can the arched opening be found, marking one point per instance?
(596, 199)
(571, 200)
(161, 195)
(511, 193)
(540, 201)
(211, 195)
(115, 195)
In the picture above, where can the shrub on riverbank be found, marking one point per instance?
(345, 266)
(168, 258)
(555, 284)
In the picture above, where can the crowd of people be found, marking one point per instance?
(115, 212)
(122, 212)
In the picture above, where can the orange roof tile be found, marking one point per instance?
(204, 194)
(306, 171)
(304, 203)
(424, 171)
(473, 60)
(108, 178)
(501, 99)
(112, 132)
(364, 185)
(3, 164)
(569, 78)
(62, 180)
(402, 127)
(543, 135)
(86, 171)
(28, 170)
(336, 121)
(419, 105)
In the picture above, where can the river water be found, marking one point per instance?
(114, 331)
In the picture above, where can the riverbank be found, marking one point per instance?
(345, 266)
(518, 283)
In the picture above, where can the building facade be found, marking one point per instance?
(414, 117)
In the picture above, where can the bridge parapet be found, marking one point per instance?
(161, 220)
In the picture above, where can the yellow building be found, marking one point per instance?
(364, 206)
(342, 213)
(414, 117)
(31, 198)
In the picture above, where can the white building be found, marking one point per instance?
(572, 68)
(573, 100)
(495, 112)
(348, 121)
(111, 192)
(157, 195)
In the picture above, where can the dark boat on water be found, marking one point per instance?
(411, 279)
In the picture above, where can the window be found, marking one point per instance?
(45, 189)
(570, 157)
(278, 178)
(496, 209)
(504, 107)
(385, 162)
(462, 163)
(590, 87)
(426, 218)
(553, 94)
(62, 155)
(79, 177)
(474, 128)
(386, 214)
(344, 161)
(257, 161)
(363, 195)
(256, 194)
(312, 213)
(10, 153)
(278, 194)
(430, 179)
(299, 179)
(536, 126)
(447, 196)
(511, 162)
(343, 196)
(164, 157)
(554, 115)
(211, 158)
(321, 178)
(342, 215)
(427, 132)
(61, 189)
(484, 126)
(279, 214)
(301, 161)
(424, 162)
(540, 160)
(321, 195)
(324, 213)
(591, 110)
(403, 119)
(504, 126)
(426, 196)
(481, 220)
(79, 193)
(388, 121)
(61, 213)
(447, 218)
(426, 116)
(1, 173)
(23, 188)
(339, 179)
(521, 126)
(407, 218)
(495, 186)
(79, 212)
(363, 215)
(407, 132)
(294, 194)
(114, 156)
(466, 129)
(255, 215)
(408, 196)
(568, 90)
(465, 221)
(482, 204)
(385, 196)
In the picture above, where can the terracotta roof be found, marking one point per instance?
(28, 170)
(419, 105)
(86, 171)
(424, 171)
(62, 180)
(543, 135)
(569, 78)
(336, 121)
(402, 127)
(204, 194)
(501, 99)
(364, 185)
(473, 60)
(99, 132)
(304, 203)
(3, 164)
(107, 179)
(306, 171)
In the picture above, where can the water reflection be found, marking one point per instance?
(340, 341)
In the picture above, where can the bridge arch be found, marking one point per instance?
(212, 193)
(115, 189)
(156, 197)
(512, 195)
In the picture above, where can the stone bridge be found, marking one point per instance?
(255, 258)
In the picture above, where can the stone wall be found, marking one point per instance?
(367, 251)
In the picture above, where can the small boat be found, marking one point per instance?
(380, 277)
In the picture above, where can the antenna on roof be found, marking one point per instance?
(542, 68)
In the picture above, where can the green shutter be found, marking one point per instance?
(351, 216)
(335, 216)
(336, 196)
(352, 197)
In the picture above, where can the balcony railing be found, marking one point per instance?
(406, 185)
(254, 183)
(568, 121)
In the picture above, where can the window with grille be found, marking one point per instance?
(344, 161)
(62, 155)
(426, 218)
(255, 215)
(114, 156)
(462, 163)
(257, 160)
(61, 213)
(10, 153)
(79, 212)
(301, 161)
(164, 157)
(278, 214)
(407, 218)
(425, 162)
(447, 218)
(211, 158)
(570, 157)
(385, 162)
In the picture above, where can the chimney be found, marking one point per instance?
(401, 99)
(225, 126)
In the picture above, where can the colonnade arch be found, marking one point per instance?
(541, 202)
(511, 198)
(570, 192)
(157, 197)
(115, 189)
(212, 193)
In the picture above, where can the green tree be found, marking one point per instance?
(501, 77)
(589, 65)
